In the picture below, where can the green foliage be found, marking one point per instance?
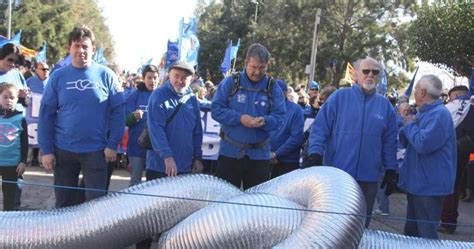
(444, 34)
(51, 21)
(348, 30)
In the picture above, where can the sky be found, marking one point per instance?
(140, 29)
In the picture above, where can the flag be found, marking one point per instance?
(225, 65)
(188, 42)
(27, 52)
(41, 55)
(16, 38)
(233, 54)
(471, 84)
(3, 40)
(172, 54)
(412, 82)
(99, 57)
(349, 73)
(382, 87)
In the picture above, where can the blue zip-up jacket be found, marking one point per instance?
(286, 142)
(252, 103)
(356, 133)
(138, 99)
(182, 137)
(81, 110)
(429, 167)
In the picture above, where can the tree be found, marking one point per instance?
(51, 21)
(349, 30)
(444, 34)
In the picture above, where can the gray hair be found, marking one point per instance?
(327, 91)
(259, 52)
(372, 60)
(432, 84)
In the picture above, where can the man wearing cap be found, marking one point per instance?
(313, 88)
(286, 142)
(356, 131)
(174, 126)
(247, 114)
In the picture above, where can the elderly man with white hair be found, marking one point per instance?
(428, 171)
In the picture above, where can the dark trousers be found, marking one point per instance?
(66, 173)
(283, 168)
(81, 194)
(9, 189)
(451, 202)
(369, 189)
(244, 170)
(423, 216)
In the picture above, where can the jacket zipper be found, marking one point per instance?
(361, 135)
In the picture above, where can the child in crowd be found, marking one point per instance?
(13, 143)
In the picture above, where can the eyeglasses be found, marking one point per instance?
(367, 71)
(44, 69)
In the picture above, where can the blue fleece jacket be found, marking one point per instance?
(138, 99)
(286, 142)
(252, 103)
(429, 167)
(356, 133)
(81, 110)
(182, 137)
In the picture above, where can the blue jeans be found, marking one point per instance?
(66, 173)
(423, 216)
(369, 189)
(136, 173)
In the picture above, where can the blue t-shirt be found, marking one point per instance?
(81, 110)
(10, 144)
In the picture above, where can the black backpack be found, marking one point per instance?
(236, 87)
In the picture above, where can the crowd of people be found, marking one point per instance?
(267, 129)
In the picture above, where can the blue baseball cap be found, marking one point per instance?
(282, 84)
(313, 85)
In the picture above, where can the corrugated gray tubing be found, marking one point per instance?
(172, 211)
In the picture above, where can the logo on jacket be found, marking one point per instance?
(241, 98)
(8, 134)
(378, 116)
(81, 85)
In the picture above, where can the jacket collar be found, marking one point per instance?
(430, 106)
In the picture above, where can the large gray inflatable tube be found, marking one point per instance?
(273, 214)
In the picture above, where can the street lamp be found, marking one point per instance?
(256, 8)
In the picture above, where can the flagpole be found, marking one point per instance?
(233, 66)
(314, 49)
(9, 19)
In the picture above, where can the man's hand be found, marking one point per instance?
(247, 120)
(138, 114)
(48, 161)
(20, 169)
(24, 92)
(110, 155)
(259, 122)
(390, 180)
(197, 166)
(408, 118)
(170, 167)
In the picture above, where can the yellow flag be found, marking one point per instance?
(349, 74)
(28, 52)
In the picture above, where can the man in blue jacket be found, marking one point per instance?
(286, 142)
(174, 125)
(428, 171)
(356, 131)
(81, 121)
(175, 129)
(247, 114)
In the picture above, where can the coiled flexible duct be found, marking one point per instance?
(119, 220)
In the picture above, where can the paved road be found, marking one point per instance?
(37, 197)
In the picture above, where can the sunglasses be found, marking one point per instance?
(11, 60)
(44, 69)
(367, 71)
